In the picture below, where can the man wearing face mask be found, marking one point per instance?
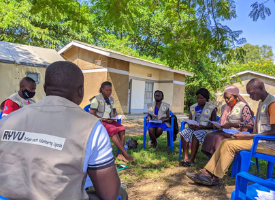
(21, 98)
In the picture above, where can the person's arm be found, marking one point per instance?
(9, 107)
(271, 112)
(100, 165)
(166, 119)
(106, 182)
(243, 136)
(93, 109)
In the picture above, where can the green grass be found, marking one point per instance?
(150, 163)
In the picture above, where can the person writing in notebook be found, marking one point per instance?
(103, 106)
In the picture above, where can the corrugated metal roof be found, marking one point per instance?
(27, 55)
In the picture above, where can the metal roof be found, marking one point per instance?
(120, 56)
(27, 55)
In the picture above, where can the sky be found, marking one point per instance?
(256, 33)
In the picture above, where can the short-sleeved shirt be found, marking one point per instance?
(107, 111)
(9, 107)
(99, 150)
(271, 112)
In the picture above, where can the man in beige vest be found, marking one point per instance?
(224, 155)
(21, 98)
(47, 148)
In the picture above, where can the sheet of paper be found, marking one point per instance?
(191, 122)
(155, 121)
(231, 131)
(117, 117)
(264, 195)
(215, 123)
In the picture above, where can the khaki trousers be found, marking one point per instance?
(224, 155)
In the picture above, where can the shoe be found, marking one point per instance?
(186, 164)
(204, 180)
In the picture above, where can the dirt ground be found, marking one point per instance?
(172, 183)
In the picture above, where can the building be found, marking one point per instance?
(134, 80)
(18, 61)
(241, 79)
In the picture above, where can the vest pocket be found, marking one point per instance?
(265, 127)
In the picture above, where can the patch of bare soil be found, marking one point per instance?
(172, 183)
(133, 127)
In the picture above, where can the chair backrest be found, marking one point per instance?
(1, 114)
(171, 113)
(87, 108)
(3, 198)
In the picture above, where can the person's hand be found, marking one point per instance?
(244, 128)
(108, 120)
(201, 127)
(241, 136)
(226, 125)
(193, 127)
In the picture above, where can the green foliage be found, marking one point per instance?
(184, 34)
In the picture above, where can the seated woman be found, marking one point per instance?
(201, 112)
(158, 110)
(236, 114)
(103, 106)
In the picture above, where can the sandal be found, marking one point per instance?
(186, 164)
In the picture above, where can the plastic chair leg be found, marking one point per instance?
(144, 138)
(235, 166)
(171, 141)
(168, 138)
(240, 163)
(180, 150)
(270, 167)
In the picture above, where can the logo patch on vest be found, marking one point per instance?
(49, 141)
(151, 109)
(193, 111)
(237, 110)
(207, 111)
(263, 108)
(164, 108)
(101, 102)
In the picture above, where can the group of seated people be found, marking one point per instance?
(52, 145)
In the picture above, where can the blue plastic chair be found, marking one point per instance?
(243, 158)
(1, 114)
(170, 132)
(3, 198)
(244, 191)
(182, 126)
(87, 109)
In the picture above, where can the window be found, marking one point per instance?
(34, 75)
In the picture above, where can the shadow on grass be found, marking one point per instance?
(150, 165)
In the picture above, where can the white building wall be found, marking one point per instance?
(137, 96)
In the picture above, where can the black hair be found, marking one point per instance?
(63, 74)
(104, 84)
(160, 92)
(28, 79)
(204, 92)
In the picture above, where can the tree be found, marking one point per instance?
(259, 10)
(183, 34)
